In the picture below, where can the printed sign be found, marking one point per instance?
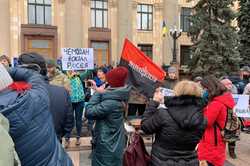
(242, 106)
(167, 92)
(77, 58)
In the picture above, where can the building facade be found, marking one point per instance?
(46, 26)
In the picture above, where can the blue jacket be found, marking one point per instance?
(31, 126)
(109, 133)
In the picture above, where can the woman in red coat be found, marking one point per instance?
(212, 147)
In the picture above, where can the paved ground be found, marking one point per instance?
(80, 155)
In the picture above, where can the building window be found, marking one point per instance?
(99, 13)
(145, 17)
(39, 12)
(185, 55)
(147, 49)
(185, 23)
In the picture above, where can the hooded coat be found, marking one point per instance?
(8, 156)
(177, 130)
(109, 133)
(31, 126)
(215, 112)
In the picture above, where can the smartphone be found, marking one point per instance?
(89, 84)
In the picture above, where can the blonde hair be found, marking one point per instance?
(188, 88)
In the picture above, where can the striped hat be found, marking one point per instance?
(5, 79)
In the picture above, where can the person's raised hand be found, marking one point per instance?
(100, 89)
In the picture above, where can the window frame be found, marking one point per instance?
(184, 18)
(43, 5)
(141, 45)
(103, 10)
(140, 13)
(183, 50)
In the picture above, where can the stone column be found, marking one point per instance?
(86, 22)
(73, 23)
(15, 26)
(115, 52)
(124, 22)
(5, 27)
(158, 39)
(171, 17)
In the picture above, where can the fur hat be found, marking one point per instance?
(5, 79)
(117, 77)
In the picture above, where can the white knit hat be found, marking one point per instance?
(5, 79)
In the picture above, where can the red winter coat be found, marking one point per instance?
(215, 111)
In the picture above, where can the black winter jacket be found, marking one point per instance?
(178, 130)
(61, 110)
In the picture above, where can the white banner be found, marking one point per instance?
(77, 58)
(242, 106)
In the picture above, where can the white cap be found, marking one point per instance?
(5, 79)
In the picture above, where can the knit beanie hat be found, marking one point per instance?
(33, 58)
(172, 69)
(117, 77)
(51, 63)
(5, 79)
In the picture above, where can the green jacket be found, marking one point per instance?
(8, 156)
(109, 133)
(76, 86)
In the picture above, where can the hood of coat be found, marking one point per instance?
(121, 93)
(186, 111)
(226, 99)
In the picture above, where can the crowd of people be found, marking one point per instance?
(40, 105)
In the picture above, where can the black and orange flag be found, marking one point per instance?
(143, 73)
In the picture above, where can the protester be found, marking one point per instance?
(241, 79)
(231, 88)
(229, 85)
(8, 156)
(60, 104)
(212, 146)
(245, 74)
(136, 103)
(77, 99)
(237, 81)
(198, 79)
(178, 128)
(107, 107)
(247, 89)
(56, 77)
(26, 104)
(5, 60)
(172, 80)
(100, 79)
